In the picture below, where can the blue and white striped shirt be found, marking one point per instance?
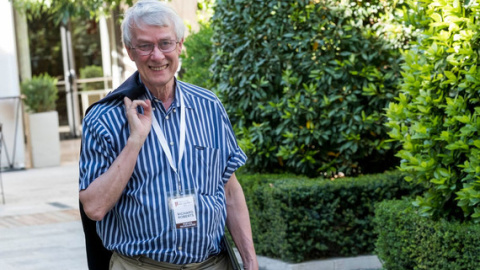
(140, 224)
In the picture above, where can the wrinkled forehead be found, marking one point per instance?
(148, 32)
(151, 19)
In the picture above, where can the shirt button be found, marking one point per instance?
(153, 109)
(174, 110)
(171, 143)
(179, 248)
(167, 117)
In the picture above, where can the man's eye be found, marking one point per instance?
(145, 47)
(165, 43)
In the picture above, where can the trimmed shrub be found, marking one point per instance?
(407, 240)
(40, 92)
(436, 116)
(92, 72)
(297, 219)
(305, 83)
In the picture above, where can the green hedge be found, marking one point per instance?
(408, 241)
(297, 219)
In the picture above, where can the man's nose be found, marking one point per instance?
(157, 53)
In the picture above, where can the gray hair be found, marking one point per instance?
(150, 12)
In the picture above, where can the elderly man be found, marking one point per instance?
(158, 160)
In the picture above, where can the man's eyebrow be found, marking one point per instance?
(142, 40)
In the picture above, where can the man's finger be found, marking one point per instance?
(127, 102)
(147, 109)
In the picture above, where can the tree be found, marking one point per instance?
(62, 10)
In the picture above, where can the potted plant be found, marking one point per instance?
(41, 94)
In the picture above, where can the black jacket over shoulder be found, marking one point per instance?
(98, 256)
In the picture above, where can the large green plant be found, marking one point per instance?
(436, 116)
(40, 93)
(197, 58)
(305, 83)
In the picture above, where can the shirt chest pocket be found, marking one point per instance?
(206, 169)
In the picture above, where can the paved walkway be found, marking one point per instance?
(40, 226)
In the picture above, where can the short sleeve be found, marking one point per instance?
(96, 153)
(235, 155)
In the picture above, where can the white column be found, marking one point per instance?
(117, 78)
(73, 110)
(11, 114)
(105, 46)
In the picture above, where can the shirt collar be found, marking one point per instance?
(176, 101)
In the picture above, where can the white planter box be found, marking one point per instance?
(44, 139)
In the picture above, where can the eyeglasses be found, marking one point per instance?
(164, 46)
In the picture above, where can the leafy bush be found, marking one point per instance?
(297, 219)
(92, 71)
(305, 83)
(408, 241)
(436, 115)
(40, 92)
(197, 58)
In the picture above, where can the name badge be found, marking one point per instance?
(184, 211)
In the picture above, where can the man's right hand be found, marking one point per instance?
(140, 124)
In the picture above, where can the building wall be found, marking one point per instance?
(187, 9)
(10, 112)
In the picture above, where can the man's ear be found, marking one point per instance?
(130, 52)
(180, 45)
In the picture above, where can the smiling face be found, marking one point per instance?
(157, 70)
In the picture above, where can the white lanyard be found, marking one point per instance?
(163, 141)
